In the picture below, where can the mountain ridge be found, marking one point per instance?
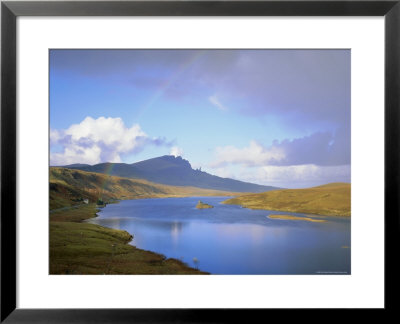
(172, 171)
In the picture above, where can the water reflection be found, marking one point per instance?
(176, 228)
(232, 240)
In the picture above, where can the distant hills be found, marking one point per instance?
(333, 199)
(70, 187)
(172, 171)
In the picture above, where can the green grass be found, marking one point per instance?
(333, 199)
(82, 248)
(73, 213)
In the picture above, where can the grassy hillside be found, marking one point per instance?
(333, 199)
(70, 187)
(82, 248)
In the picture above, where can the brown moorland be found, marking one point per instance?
(70, 187)
(332, 199)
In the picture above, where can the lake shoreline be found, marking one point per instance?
(120, 256)
(296, 218)
(178, 229)
(112, 252)
(297, 211)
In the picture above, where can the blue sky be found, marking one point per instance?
(275, 117)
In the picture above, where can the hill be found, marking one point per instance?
(172, 171)
(71, 187)
(333, 199)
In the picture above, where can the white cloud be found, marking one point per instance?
(298, 175)
(216, 102)
(224, 173)
(55, 136)
(97, 140)
(320, 148)
(176, 151)
(294, 176)
(286, 164)
(252, 155)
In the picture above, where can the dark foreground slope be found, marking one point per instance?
(333, 199)
(173, 171)
(82, 248)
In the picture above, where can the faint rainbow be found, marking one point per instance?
(158, 93)
(192, 59)
(107, 173)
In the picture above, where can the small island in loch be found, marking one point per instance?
(201, 205)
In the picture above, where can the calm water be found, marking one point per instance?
(230, 239)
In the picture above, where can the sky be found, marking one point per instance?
(272, 117)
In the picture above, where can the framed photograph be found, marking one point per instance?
(194, 161)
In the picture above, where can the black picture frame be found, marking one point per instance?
(10, 10)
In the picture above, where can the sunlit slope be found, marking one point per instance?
(71, 186)
(333, 199)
